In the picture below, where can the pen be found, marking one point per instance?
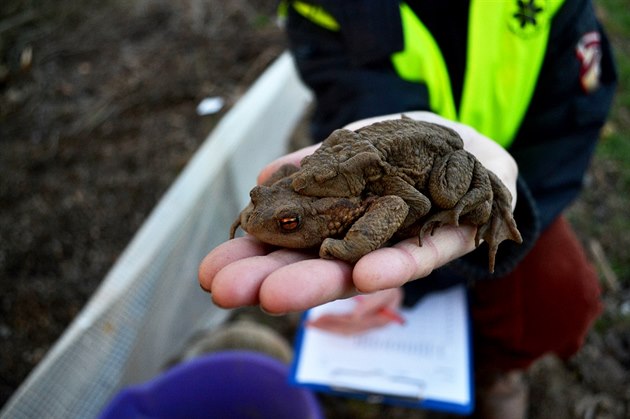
(388, 312)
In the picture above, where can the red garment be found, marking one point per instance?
(544, 306)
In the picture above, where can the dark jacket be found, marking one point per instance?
(352, 77)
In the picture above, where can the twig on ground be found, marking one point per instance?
(609, 277)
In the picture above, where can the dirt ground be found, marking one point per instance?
(97, 117)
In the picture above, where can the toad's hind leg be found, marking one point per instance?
(379, 223)
(473, 201)
(501, 225)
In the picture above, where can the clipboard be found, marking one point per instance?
(425, 363)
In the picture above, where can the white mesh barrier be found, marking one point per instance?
(150, 302)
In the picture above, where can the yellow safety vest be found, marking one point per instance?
(507, 41)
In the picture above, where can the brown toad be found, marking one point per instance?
(280, 216)
(400, 177)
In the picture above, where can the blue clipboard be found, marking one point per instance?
(391, 386)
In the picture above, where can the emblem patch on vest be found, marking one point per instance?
(589, 52)
(528, 17)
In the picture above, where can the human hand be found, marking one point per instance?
(244, 271)
(370, 311)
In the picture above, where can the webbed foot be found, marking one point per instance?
(501, 225)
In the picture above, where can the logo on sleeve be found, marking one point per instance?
(589, 53)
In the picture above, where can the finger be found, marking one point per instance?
(238, 284)
(418, 115)
(392, 267)
(292, 158)
(226, 253)
(306, 284)
(347, 324)
(353, 126)
(375, 302)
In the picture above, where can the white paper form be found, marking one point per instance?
(426, 358)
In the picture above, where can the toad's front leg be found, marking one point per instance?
(419, 205)
(382, 219)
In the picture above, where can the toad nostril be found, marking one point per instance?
(255, 194)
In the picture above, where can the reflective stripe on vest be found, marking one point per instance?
(421, 61)
(317, 15)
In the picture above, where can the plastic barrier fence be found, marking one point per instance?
(150, 302)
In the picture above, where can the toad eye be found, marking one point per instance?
(289, 224)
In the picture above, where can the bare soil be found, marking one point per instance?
(95, 125)
(97, 118)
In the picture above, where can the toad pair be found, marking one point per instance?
(386, 181)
